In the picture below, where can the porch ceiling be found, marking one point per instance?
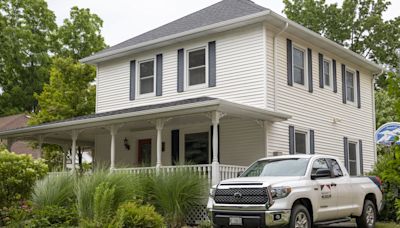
(139, 117)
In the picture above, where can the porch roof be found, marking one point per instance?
(149, 112)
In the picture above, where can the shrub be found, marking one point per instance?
(131, 214)
(175, 194)
(18, 174)
(388, 169)
(103, 203)
(125, 189)
(53, 191)
(53, 216)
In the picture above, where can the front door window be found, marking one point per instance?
(144, 152)
(196, 148)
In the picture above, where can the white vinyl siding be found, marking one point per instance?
(240, 68)
(318, 109)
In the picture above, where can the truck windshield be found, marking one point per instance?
(278, 167)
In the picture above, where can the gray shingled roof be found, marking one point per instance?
(221, 11)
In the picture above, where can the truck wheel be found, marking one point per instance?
(300, 217)
(368, 216)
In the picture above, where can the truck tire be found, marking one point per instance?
(368, 216)
(300, 217)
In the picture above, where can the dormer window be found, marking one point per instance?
(196, 69)
(146, 77)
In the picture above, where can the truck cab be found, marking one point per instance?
(295, 190)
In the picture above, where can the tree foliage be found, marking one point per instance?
(68, 94)
(357, 25)
(26, 27)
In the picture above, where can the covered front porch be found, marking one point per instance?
(213, 137)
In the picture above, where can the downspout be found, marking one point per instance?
(373, 110)
(275, 64)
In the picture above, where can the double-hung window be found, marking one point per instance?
(299, 66)
(300, 142)
(197, 67)
(327, 72)
(146, 77)
(353, 159)
(350, 85)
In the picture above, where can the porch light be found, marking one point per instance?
(126, 144)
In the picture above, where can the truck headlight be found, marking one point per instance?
(212, 192)
(280, 192)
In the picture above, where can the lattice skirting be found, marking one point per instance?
(197, 215)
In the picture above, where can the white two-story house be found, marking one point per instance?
(218, 89)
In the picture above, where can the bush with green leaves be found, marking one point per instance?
(174, 194)
(53, 216)
(131, 214)
(18, 174)
(117, 187)
(388, 169)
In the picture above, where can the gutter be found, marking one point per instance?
(224, 25)
(275, 65)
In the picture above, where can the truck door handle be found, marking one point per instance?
(333, 184)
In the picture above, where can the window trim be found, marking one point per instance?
(186, 64)
(329, 60)
(351, 70)
(304, 50)
(307, 133)
(358, 165)
(138, 79)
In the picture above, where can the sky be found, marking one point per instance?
(124, 19)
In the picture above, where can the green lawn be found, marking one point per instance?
(387, 225)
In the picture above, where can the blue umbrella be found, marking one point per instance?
(388, 133)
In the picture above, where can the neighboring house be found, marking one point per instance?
(221, 88)
(19, 147)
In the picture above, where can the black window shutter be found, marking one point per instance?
(310, 79)
(346, 152)
(175, 147)
(219, 142)
(289, 62)
(358, 89)
(344, 98)
(212, 65)
(321, 70)
(334, 76)
(159, 74)
(312, 142)
(181, 70)
(361, 157)
(132, 79)
(291, 140)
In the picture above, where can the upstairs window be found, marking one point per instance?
(301, 142)
(298, 66)
(350, 91)
(327, 73)
(196, 67)
(146, 77)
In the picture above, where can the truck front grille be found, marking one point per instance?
(241, 196)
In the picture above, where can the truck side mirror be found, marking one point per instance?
(239, 173)
(321, 173)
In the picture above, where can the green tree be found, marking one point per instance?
(25, 30)
(69, 93)
(80, 35)
(357, 25)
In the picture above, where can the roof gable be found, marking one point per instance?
(219, 12)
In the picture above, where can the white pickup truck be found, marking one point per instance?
(296, 191)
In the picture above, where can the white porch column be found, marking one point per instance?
(113, 133)
(215, 117)
(159, 127)
(74, 136)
